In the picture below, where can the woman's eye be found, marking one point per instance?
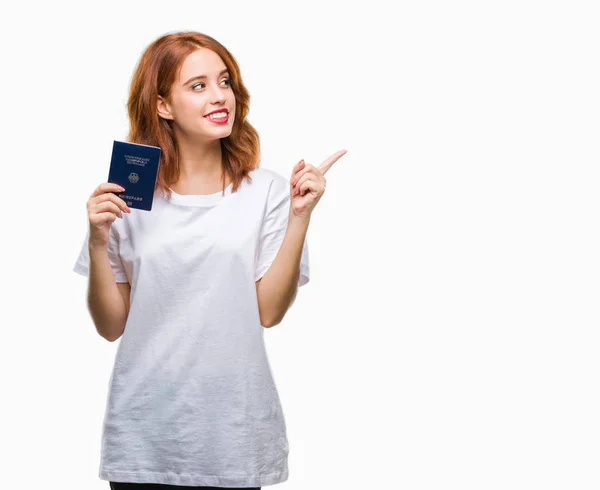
(227, 80)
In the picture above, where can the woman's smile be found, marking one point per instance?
(218, 118)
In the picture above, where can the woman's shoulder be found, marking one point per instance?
(263, 173)
(266, 176)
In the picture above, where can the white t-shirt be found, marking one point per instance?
(192, 400)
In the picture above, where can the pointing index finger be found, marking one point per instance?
(326, 165)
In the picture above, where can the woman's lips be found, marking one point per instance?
(218, 120)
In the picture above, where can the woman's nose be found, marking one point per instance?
(218, 95)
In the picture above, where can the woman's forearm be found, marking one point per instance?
(105, 302)
(277, 288)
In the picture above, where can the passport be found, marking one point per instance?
(135, 167)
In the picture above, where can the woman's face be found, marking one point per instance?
(203, 87)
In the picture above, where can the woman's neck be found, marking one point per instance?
(200, 169)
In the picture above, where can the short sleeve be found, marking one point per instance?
(82, 264)
(273, 230)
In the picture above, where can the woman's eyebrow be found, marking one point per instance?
(199, 77)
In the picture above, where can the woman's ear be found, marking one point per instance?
(163, 109)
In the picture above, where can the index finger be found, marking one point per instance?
(326, 165)
(107, 187)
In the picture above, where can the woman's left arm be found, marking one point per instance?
(277, 289)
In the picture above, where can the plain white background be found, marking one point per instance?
(449, 335)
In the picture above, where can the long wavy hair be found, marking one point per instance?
(154, 75)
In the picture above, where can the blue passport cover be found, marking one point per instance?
(135, 167)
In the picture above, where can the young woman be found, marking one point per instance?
(190, 285)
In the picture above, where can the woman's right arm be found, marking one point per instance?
(107, 300)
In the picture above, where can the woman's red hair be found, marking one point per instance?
(157, 70)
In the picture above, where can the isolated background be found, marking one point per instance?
(449, 335)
